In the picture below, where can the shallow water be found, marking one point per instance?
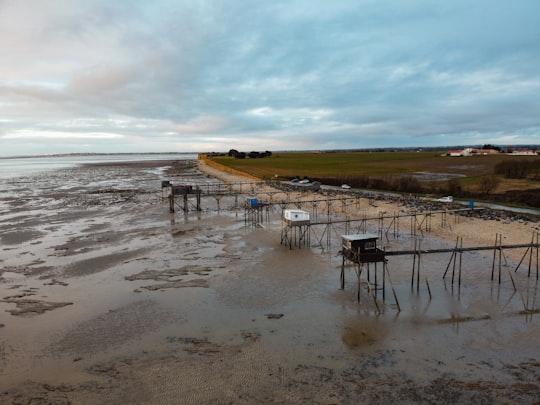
(102, 239)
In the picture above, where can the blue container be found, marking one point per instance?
(253, 202)
(471, 204)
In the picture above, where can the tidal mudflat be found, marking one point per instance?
(107, 297)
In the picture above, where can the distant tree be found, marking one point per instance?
(240, 155)
(488, 184)
(255, 155)
(454, 187)
(233, 152)
(493, 147)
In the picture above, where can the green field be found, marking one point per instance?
(378, 164)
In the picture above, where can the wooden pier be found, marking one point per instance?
(359, 256)
(331, 217)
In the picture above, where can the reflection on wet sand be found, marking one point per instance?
(124, 302)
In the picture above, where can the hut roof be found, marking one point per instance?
(360, 236)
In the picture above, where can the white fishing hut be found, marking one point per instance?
(295, 217)
(295, 230)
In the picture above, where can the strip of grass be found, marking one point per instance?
(372, 164)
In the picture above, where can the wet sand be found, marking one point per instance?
(107, 297)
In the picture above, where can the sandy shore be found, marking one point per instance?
(107, 297)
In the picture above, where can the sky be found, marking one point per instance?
(96, 76)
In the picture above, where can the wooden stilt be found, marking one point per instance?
(383, 284)
(358, 274)
(530, 257)
(500, 258)
(385, 267)
(342, 275)
(414, 265)
(494, 255)
(427, 285)
(171, 202)
(374, 298)
(460, 259)
(376, 283)
(449, 263)
(537, 256)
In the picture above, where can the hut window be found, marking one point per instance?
(369, 245)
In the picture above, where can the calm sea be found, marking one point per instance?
(26, 166)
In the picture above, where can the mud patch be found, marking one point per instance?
(18, 237)
(177, 284)
(171, 278)
(27, 306)
(113, 328)
(100, 263)
(203, 347)
(169, 274)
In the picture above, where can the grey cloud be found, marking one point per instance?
(352, 73)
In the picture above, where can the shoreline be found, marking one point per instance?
(478, 228)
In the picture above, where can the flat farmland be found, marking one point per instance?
(372, 164)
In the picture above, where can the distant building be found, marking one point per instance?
(485, 152)
(457, 152)
(472, 152)
(523, 152)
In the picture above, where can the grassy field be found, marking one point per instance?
(336, 167)
(373, 164)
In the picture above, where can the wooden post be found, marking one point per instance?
(385, 267)
(500, 257)
(429, 289)
(374, 298)
(451, 258)
(537, 255)
(171, 201)
(530, 257)
(494, 255)
(460, 257)
(381, 221)
(383, 283)
(454, 263)
(376, 284)
(358, 274)
(413, 265)
(342, 275)
(418, 270)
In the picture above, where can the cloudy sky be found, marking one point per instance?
(187, 75)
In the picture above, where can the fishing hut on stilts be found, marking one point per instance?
(295, 228)
(361, 250)
(255, 211)
(176, 192)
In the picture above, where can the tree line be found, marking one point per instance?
(252, 155)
